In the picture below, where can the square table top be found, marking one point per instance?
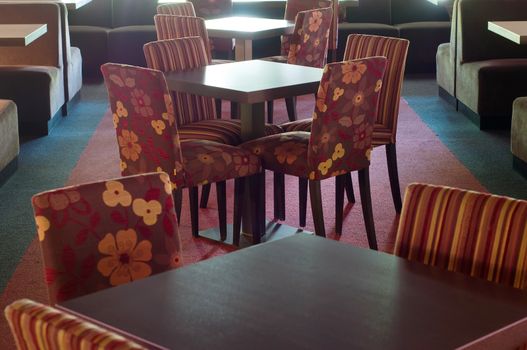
(70, 4)
(306, 292)
(247, 81)
(515, 31)
(21, 34)
(249, 28)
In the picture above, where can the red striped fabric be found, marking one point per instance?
(478, 234)
(177, 9)
(182, 55)
(38, 326)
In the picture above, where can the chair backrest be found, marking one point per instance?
(309, 42)
(46, 50)
(144, 121)
(177, 9)
(395, 50)
(182, 55)
(293, 7)
(103, 234)
(345, 110)
(38, 326)
(478, 234)
(175, 27)
(209, 9)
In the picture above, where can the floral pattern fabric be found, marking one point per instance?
(149, 141)
(104, 234)
(177, 9)
(340, 138)
(309, 43)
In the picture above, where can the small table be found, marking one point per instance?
(21, 34)
(305, 292)
(250, 84)
(515, 31)
(70, 4)
(246, 29)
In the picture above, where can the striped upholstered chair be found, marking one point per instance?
(103, 234)
(38, 326)
(478, 234)
(385, 128)
(177, 9)
(145, 119)
(337, 144)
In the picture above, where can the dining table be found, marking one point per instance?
(306, 292)
(21, 34)
(249, 84)
(515, 31)
(70, 4)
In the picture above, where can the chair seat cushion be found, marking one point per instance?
(285, 153)
(226, 131)
(206, 162)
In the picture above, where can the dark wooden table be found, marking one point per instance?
(250, 83)
(21, 34)
(306, 292)
(246, 29)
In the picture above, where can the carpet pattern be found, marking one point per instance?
(422, 158)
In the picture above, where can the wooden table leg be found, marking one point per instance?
(243, 49)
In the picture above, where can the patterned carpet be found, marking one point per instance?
(83, 149)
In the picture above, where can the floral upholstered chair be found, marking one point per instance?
(177, 9)
(478, 234)
(98, 235)
(385, 128)
(38, 326)
(340, 140)
(148, 140)
(307, 46)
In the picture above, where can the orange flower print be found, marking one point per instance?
(141, 102)
(293, 50)
(337, 93)
(321, 97)
(130, 149)
(147, 210)
(126, 260)
(312, 175)
(158, 126)
(339, 152)
(358, 99)
(346, 121)
(317, 42)
(121, 110)
(257, 150)
(315, 21)
(378, 85)
(205, 158)
(123, 166)
(166, 181)
(324, 167)
(338, 172)
(363, 132)
(115, 120)
(59, 200)
(288, 152)
(368, 153)
(42, 226)
(306, 38)
(353, 72)
(122, 80)
(115, 194)
(243, 165)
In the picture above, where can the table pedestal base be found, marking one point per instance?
(274, 230)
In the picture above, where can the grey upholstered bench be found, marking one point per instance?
(9, 146)
(519, 135)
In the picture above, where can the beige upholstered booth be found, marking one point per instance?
(490, 72)
(9, 146)
(519, 135)
(33, 76)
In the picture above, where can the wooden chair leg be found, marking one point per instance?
(391, 156)
(178, 199)
(217, 102)
(205, 192)
(279, 196)
(339, 202)
(255, 205)
(239, 190)
(302, 201)
(270, 111)
(290, 104)
(193, 199)
(350, 194)
(316, 207)
(367, 211)
(221, 195)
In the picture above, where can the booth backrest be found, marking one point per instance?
(370, 11)
(473, 17)
(46, 50)
(97, 13)
(133, 12)
(407, 11)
